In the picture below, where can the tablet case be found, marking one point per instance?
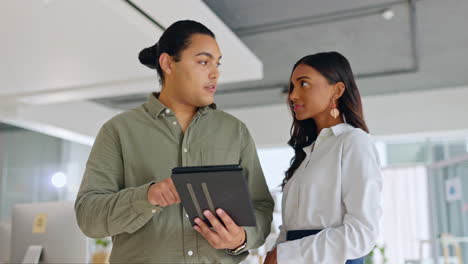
(212, 187)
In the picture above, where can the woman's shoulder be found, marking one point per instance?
(357, 144)
(356, 137)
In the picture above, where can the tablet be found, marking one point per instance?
(211, 187)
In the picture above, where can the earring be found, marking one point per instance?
(334, 111)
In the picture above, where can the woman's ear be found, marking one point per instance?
(165, 61)
(339, 90)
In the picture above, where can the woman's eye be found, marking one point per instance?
(218, 64)
(303, 83)
(203, 62)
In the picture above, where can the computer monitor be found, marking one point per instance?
(5, 237)
(50, 227)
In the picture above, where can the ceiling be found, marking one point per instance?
(57, 56)
(406, 53)
(68, 66)
(56, 51)
(52, 45)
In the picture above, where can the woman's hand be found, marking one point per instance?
(271, 257)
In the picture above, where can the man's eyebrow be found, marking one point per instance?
(204, 53)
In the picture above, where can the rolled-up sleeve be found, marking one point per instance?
(103, 206)
(261, 198)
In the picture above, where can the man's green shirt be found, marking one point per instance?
(143, 145)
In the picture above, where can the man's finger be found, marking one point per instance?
(170, 184)
(163, 199)
(173, 190)
(169, 196)
(227, 220)
(176, 195)
(206, 232)
(217, 225)
(204, 227)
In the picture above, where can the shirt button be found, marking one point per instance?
(174, 123)
(153, 211)
(168, 111)
(185, 150)
(186, 215)
(190, 253)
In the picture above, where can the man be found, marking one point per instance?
(127, 192)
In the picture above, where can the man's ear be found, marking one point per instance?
(165, 61)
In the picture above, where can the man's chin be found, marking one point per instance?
(206, 102)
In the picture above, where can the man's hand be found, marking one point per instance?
(163, 193)
(271, 257)
(227, 236)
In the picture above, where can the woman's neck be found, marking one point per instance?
(327, 122)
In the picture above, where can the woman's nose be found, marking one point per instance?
(293, 95)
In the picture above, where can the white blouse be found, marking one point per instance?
(336, 189)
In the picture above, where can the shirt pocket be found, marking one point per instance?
(219, 156)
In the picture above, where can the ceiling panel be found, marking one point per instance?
(246, 13)
(371, 43)
(43, 44)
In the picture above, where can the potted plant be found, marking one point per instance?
(101, 253)
(369, 259)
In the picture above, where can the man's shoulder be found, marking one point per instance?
(226, 117)
(125, 118)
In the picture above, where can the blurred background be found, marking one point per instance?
(68, 66)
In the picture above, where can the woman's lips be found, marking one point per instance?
(297, 107)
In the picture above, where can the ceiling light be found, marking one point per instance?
(388, 14)
(59, 179)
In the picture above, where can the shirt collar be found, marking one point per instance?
(156, 108)
(341, 128)
(335, 130)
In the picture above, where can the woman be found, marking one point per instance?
(332, 190)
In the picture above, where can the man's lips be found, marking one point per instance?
(211, 88)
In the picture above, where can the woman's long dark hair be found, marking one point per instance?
(335, 68)
(173, 41)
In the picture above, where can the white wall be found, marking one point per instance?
(407, 113)
(74, 158)
(442, 110)
(77, 121)
(405, 220)
(29, 160)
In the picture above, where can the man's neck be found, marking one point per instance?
(183, 112)
(170, 100)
